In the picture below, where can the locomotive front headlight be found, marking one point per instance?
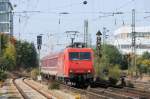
(89, 71)
(71, 71)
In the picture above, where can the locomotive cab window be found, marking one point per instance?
(79, 56)
(74, 56)
(85, 56)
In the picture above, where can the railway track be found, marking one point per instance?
(83, 92)
(87, 93)
(110, 93)
(28, 91)
(133, 93)
(142, 86)
(107, 93)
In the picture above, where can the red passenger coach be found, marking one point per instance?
(71, 65)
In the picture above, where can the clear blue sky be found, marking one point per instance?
(47, 21)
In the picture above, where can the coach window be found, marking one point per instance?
(85, 56)
(74, 56)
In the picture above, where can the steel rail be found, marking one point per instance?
(39, 91)
(20, 90)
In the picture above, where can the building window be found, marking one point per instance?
(140, 46)
(3, 6)
(144, 46)
(125, 46)
(4, 27)
(4, 17)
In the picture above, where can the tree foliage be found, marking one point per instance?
(143, 63)
(146, 55)
(110, 62)
(10, 56)
(4, 41)
(7, 53)
(112, 54)
(16, 54)
(3, 75)
(26, 54)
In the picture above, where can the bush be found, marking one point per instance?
(113, 81)
(3, 75)
(130, 84)
(114, 72)
(34, 73)
(53, 85)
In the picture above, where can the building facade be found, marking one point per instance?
(123, 39)
(6, 17)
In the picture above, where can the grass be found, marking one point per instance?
(53, 85)
(130, 84)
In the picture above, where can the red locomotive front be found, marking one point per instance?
(79, 64)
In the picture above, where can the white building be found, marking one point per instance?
(123, 39)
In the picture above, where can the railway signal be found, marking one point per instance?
(39, 43)
(98, 43)
(98, 50)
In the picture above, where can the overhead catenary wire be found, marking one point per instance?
(102, 14)
(124, 5)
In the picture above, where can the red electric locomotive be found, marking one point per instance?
(72, 65)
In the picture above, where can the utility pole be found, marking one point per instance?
(133, 42)
(0, 44)
(105, 30)
(86, 33)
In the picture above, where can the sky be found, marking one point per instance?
(43, 17)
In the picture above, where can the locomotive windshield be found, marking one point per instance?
(74, 56)
(79, 56)
(85, 56)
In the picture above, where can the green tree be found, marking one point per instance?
(8, 52)
(4, 41)
(10, 56)
(126, 61)
(16, 54)
(111, 57)
(26, 54)
(146, 55)
(143, 63)
(112, 54)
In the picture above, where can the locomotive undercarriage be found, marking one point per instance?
(77, 80)
(81, 80)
